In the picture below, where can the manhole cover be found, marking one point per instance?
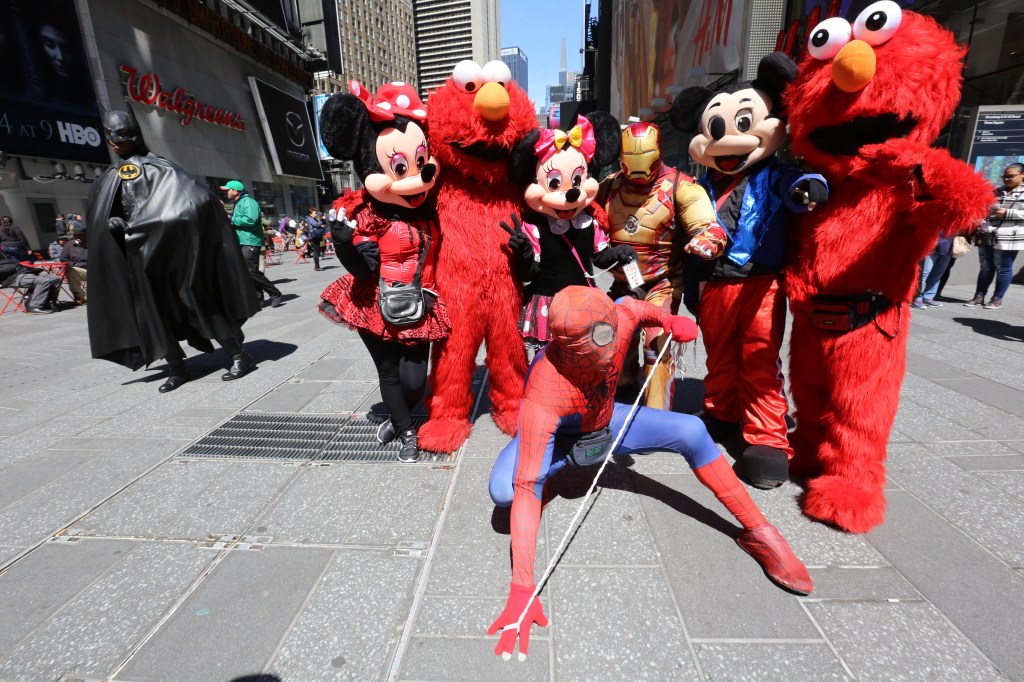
(298, 437)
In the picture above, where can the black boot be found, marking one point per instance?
(410, 450)
(175, 379)
(241, 365)
(765, 467)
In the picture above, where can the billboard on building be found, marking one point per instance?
(997, 140)
(290, 135)
(318, 105)
(47, 103)
(660, 47)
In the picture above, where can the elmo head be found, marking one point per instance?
(892, 74)
(476, 118)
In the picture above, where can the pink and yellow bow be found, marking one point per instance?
(580, 136)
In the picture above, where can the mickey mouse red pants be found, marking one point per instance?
(742, 322)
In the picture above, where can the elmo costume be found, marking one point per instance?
(474, 120)
(868, 101)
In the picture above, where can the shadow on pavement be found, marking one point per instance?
(996, 329)
(573, 483)
(205, 364)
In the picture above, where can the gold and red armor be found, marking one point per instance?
(657, 210)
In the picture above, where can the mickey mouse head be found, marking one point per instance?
(385, 139)
(554, 165)
(738, 126)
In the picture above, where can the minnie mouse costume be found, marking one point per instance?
(563, 235)
(394, 239)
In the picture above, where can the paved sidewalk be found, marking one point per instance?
(122, 558)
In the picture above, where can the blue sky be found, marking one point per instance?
(537, 27)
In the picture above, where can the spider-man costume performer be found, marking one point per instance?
(569, 393)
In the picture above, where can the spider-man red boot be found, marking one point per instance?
(759, 538)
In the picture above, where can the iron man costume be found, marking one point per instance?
(569, 394)
(647, 204)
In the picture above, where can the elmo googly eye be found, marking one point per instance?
(878, 23)
(468, 75)
(497, 72)
(828, 38)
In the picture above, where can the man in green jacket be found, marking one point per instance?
(246, 219)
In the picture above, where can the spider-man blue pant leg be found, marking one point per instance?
(504, 471)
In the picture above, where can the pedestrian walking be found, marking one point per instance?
(246, 219)
(316, 235)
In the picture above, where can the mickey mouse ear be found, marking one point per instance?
(774, 73)
(688, 108)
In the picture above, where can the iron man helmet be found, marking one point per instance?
(641, 152)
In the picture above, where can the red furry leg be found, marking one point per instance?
(506, 364)
(856, 418)
(808, 393)
(451, 396)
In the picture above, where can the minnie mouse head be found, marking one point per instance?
(554, 165)
(739, 125)
(385, 140)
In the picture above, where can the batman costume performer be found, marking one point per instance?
(165, 264)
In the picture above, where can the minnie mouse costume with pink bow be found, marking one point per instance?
(563, 233)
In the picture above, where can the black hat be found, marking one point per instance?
(78, 227)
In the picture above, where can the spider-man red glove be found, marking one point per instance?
(517, 597)
(681, 329)
(709, 243)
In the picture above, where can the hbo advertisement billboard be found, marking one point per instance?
(47, 104)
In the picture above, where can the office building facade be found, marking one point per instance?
(448, 31)
(378, 43)
(518, 63)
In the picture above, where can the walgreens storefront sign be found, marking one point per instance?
(145, 88)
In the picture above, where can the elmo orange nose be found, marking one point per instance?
(854, 66)
(491, 102)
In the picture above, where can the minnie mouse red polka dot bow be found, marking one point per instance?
(393, 99)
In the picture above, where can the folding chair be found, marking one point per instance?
(301, 254)
(13, 297)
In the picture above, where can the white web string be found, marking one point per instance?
(572, 524)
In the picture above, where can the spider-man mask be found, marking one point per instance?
(583, 323)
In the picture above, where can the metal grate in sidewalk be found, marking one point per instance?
(276, 436)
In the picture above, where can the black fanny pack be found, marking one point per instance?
(587, 448)
(404, 304)
(847, 313)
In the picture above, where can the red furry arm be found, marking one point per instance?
(959, 198)
(940, 193)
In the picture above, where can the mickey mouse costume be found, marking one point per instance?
(737, 131)
(395, 235)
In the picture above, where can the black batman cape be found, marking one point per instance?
(177, 274)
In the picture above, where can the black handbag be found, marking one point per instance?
(403, 304)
